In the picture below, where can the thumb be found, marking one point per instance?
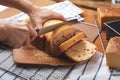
(33, 33)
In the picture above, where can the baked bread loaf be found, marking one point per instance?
(58, 36)
(48, 36)
(67, 40)
(113, 53)
(107, 13)
(81, 51)
(67, 44)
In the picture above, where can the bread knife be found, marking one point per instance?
(49, 28)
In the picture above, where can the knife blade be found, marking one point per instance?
(49, 28)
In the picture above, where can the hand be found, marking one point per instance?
(16, 34)
(40, 15)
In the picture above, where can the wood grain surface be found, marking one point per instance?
(92, 4)
(87, 14)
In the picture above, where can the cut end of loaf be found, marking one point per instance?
(107, 13)
(67, 44)
(81, 51)
(59, 36)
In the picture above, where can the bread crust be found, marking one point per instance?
(107, 13)
(48, 36)
(67, 44)
(60, 35)
(113, 45)
(113, 53)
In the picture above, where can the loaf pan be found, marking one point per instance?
(112, 28)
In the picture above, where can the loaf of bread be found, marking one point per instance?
(67, 40)
(48, 36)
(107, 13)
(59, 36)
(113, 53)
(81, 51)
(67, 44)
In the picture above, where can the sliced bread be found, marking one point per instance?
(81, 51)
(67, 44)
(56, 37)
(48, 36)
(59, 36)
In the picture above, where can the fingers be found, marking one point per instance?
(58, 16)
(36, 23)
(53, 15)
(19, 34)
(32, 33)
(27, 41)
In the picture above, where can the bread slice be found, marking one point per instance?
(107, 13)
(81, 51)
(67, 44)
(113, 53)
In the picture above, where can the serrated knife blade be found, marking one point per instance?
(49, 28)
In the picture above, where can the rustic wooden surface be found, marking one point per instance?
(87, 14)
(92, 4)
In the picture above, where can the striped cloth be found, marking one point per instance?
(93, 69)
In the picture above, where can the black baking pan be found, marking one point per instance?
(112, 29)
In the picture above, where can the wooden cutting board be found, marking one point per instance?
(31, 55)
(92, 4)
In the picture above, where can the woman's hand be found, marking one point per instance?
(16, 34)
(40, 15)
